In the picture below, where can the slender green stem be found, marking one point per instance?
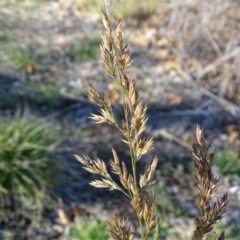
(134, 166)
(117, 186)
(141, 227)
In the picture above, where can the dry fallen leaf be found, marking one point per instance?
(161, 54)
(140, 39)
(156, 19)
(232, 134)
(172, 65)
(175, 98)
(64, 216)
(175, 42)
(188, 37)
(162, 42)
(189, 138)
(31, 67)
(192, 62)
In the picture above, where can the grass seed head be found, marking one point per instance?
(212, 211)
(120, 230)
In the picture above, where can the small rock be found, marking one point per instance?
(58, 228)
(233, 189)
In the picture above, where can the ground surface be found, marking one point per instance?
(186, 65)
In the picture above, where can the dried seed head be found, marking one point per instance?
(108, 60)
(144, 146)
(98, 119)
(117, 59)
(124, 81)
(125, 178)
(116, 159)
(133, 93)
(212, 212)
(83, 160)
(116, 168)
(151, 225)
(152, 169)
(147, 178)
(118, 36)
(107, 43)
(96, 166)
(120, 230)
(125, 130)
(107, 104)
(200, 138)
(105, 117)
(125, 60)
(139, 120)
(108, 116)
(136, 202)
(106, 21)
(105, 183)
(94, 96)
(140, 110)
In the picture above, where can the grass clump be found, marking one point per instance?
(122, 8)
(25, 3)
(43, 93)
(26, 143)
(34, 94)
(83, 133)
(3, 35)
(139, 188)
(88, 228)
(229, 163)
(86, 50)
(20, 56)
(134, 8)
(231, 231)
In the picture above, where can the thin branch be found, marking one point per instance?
(226, 104)
(219, 61)
(172, 137)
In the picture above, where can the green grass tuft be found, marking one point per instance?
(229, 163)
(231, 231)
(43, 93)
(86, 50)
(26, 143)
(20, 56)
(89, 229)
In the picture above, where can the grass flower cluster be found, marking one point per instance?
(212, 212)
(139, 188)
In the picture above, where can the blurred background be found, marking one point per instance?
(186, 64)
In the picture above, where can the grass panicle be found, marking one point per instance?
(212, 210)
(117, 60)
(138, 189)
